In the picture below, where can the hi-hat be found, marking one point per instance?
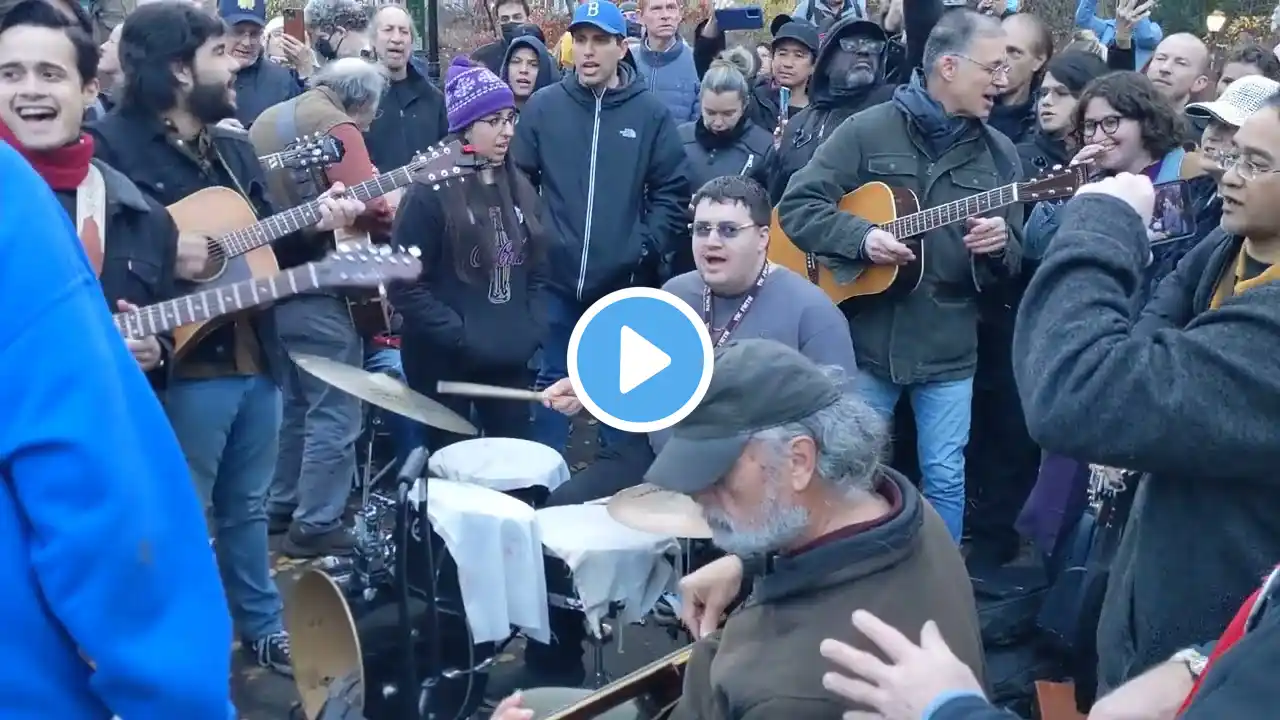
(323, 639)
(385, 392)
(651, 509)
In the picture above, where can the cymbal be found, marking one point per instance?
(651, 509)
(323, 639)
(385, 392)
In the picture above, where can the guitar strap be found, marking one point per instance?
(91, 217)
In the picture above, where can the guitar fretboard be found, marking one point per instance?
(277, 226)
(952, 212)
(214, 302)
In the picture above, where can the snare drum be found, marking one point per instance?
(507, 465)
(610, 566)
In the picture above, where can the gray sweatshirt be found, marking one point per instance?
(789, 309)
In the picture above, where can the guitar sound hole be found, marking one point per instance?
(213, 268)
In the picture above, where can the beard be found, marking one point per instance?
(210, 103)
(775, 527)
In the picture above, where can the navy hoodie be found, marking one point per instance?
(548, 68)
(612, 173)
(103, 545)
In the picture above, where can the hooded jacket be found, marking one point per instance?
(827, 107)
(548, 68)
(611, 170)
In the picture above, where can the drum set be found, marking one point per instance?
(454, 560)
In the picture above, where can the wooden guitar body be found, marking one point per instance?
(656, 688)
(874, 202)
(214, 212)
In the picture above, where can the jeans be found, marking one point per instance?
(229, 430)
(405, 434)
(942, 411)
(317, 466)
(550, 427)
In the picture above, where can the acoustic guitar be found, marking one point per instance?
(898, 212)
(239, 246)
(306, 152)
(656, 687)
(349, 266)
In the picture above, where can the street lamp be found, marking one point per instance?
(1215, 22)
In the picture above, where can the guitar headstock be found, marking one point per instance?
(310, 151)
(1057, 182)
(441, 163)
(367, 265)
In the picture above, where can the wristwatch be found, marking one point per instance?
(1193, 659)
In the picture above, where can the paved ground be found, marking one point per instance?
(262, 695)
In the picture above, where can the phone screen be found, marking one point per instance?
(1174, 215)
(293, 26)
(784, 103)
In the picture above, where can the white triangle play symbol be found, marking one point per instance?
(639, 361)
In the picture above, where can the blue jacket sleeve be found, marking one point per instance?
(1087, 17)
(114, 533)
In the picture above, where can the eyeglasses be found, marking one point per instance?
(1109, 124)
(1246, 169)
(725, 230)
(861, 45)
(497, 121)
(992, 70)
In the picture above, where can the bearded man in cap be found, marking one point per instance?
(787, 470)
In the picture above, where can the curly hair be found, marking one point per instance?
(1135, 98)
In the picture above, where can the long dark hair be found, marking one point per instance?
(469, 228)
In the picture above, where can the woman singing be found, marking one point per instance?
(477, 312)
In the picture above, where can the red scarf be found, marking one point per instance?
(64, 168)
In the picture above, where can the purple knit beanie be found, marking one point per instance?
(472, 92)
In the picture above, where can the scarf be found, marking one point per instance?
(720, 140)
(939, 130)
(63, 168)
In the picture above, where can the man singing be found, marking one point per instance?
(111, 601)
(224, 400)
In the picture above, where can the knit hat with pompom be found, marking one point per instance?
(472, 92)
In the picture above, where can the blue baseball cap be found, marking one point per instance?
(238, 11)
(602, 14)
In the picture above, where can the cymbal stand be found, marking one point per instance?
(411, 528)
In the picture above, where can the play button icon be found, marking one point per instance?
(641, 360)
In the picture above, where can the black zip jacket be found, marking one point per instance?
(493, 320)
(410, 119)
(612, 173)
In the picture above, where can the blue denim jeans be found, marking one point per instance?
(405, 433)
(550, 427)
(229, 431)
(942, 412)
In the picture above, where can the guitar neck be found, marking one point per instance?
(953, 212)
(214, 302)
(306, 214)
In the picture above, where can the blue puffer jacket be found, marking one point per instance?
(670, 74)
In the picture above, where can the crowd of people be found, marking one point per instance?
(1081, 381)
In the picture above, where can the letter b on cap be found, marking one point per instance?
(593, 9)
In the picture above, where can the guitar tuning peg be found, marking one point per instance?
(415, 252)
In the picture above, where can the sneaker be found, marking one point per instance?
(272, 652)
(301, 545)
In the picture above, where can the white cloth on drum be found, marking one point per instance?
(609, 561)
(493, 538)
(501, 464)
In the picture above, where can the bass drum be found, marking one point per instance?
(332, 638)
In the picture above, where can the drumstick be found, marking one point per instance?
(445, 387)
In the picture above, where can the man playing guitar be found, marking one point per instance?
(224, 399)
